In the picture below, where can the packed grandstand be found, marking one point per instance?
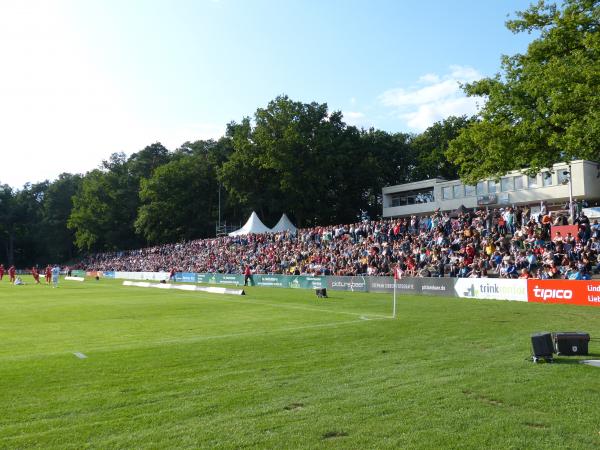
(508, 243)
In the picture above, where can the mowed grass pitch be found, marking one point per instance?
(280, 369)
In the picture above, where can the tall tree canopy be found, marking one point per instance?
(301, 159)
(429, 149)
(545, 106)
(179, 200)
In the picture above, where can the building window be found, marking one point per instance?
(491, 186)
(532, 182)
(447, 193)
(507, 184)
(412, 197)
(547, 178)
(563, 176)
(518, 182)
(458, 191)
(470, 191)
(481, 188)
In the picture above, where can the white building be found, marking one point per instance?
(514, 188)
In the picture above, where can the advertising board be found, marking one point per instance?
(279, 281)
(306, 282)
(347, 284)
(563, 230)
(491, 288)
(568, 292)
(185, 277)
(444, 287)
(153, 276)
(220, 278)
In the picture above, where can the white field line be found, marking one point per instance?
(190, 340)
(302, 308)
(247, 300)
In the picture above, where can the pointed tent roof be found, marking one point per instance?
(284, 224)
(253, 225)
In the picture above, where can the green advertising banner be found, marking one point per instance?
(78, 273)
(220, 278)
(307, 282)
(278, 281)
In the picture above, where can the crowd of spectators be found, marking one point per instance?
(505, 242)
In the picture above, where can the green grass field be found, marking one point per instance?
(279, 369)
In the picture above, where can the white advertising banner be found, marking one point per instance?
(491, 288)
(152, 276)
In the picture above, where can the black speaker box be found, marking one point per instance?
(571, 343)
(542, 345)
(321, 293)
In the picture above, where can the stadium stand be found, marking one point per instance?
(500, 242)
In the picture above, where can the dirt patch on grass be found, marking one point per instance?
(334, 434)
(482, 398)
(535, 425)
(293, 406)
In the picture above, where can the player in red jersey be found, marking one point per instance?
(1, 271)
(12, 274)
(48, 274)
(36, 275)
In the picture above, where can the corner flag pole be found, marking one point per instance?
(397, 274)
(394, 309)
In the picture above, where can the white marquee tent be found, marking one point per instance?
(284, 224)
(253, 225)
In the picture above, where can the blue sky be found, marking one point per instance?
(84, 79)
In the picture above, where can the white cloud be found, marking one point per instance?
(429, 78)
(357, 119)
(433, 98)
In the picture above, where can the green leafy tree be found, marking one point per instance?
(545, 106)
(57, 206)
(179, 200)
(21, 214)
(429, 149)
(141, 164)
(104, 209)
(384, 159)
(8, 223)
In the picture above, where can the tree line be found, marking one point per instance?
(292, 157)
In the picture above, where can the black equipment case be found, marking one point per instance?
(541, 344)
(571, 343)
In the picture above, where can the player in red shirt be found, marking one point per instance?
(1, 271)
(36, 275)
(48, 274)
(12, 274)
(248, 280)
